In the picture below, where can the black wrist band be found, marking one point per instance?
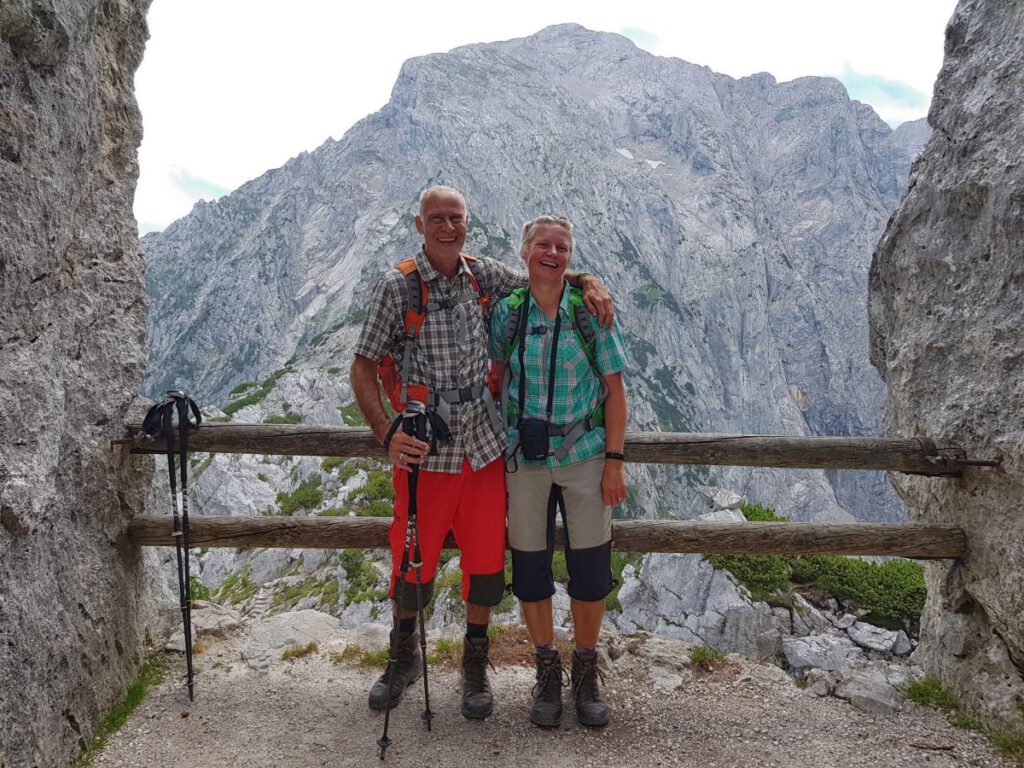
(614, 455)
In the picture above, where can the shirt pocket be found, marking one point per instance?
(574, 367)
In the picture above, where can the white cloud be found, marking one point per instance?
(229, 89)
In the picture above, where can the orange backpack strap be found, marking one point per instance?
(416, 301)
(474, 278)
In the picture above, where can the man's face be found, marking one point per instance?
(548, 253)
(443, 224)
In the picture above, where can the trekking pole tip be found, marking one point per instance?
(383, 742)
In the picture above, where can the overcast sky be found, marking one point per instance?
(231, 88)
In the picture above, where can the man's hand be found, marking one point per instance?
(598, 301)
(405, 451)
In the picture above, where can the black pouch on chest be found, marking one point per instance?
(533, 439)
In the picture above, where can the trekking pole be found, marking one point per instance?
(184, 403)
(160, 420)
(413, 423)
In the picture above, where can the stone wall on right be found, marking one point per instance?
(946, 303)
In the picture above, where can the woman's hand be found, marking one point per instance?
(613, 483)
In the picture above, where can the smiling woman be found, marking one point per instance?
(566, 405)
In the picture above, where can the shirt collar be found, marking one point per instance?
(429, 272)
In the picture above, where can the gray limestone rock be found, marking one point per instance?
(946, 298)
(73, 610)
(828, 652)
(273, 636)
(876, 687)
(876, 638)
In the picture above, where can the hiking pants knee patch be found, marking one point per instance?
(531, 575)
(590, 572)
(486, 589)
(409, 602)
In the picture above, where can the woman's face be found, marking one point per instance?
(547, 254)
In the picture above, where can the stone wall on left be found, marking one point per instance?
(72, 351)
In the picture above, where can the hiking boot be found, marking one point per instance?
(590, 710)
(407, 670)
(477, 698)
(546, 710)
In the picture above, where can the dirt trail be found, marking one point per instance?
(312, 712)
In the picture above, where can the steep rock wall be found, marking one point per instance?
(946, 308)
(71, 357)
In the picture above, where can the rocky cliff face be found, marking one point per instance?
(71, 358)
(946, 305)
(732, 219)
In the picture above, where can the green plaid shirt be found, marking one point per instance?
(577, 388)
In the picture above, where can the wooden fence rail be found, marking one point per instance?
(916, 540)
(912, 455)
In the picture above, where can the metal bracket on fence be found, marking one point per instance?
(948, 461)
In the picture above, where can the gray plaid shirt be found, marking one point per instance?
(450, 351)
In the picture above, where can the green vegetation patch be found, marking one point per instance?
(243, 387)
(289, 417)
(298, 651)
(306, 496)
(363, 578)
(197, 589)
(705, 659)
(619, 561)
(324, 589)
(892, 593)
(351, 415)
(259, 395)
(236, 588)
(929, 692)
(151, 673)
(378, 486)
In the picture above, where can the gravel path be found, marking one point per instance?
(312, 712)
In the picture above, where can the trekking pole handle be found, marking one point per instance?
(414, 420)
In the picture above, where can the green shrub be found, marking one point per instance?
(197, 589)
(755, 513)
(362, 578)
(378, 486)
(893, 592)
(763, 575)
(307, 496)
(377, 508)
(332, 462)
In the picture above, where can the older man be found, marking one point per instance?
(462, 485)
